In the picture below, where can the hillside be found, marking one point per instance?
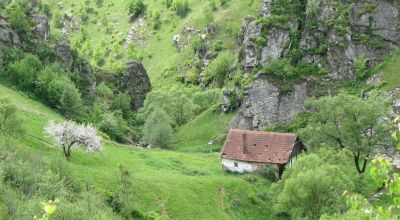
(176, 185)
(152, 45)
(209, 109)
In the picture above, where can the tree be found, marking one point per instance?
(68, 134)
(314, 186)
(9, 122)
(24, 72)
(157, 129)
(71, 103)
(122, 200)
(348, 121)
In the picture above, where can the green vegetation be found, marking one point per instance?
(157, 131)
(353, 124)
(165, 183)
(189, 49)
(195, 135)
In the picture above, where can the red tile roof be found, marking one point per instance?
(263, 147)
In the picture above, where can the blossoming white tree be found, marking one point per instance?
(68, 134)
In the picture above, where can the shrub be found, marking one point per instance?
(223, 2)
(58, 20)
(18, 19)
(157, 131)
(181, 7)
(218, 69)
(122, 102)
(135, 8)
(167, 3)
(10, 125)
(71, 104)
(155, 17)
(113, 125)
(24, 72)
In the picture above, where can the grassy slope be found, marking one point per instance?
(179, 185)
(159, 46)
(197, 133)
(158, 42)
(391, 71)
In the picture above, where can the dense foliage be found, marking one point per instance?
(354, 123)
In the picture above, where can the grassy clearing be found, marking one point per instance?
(390, 70)
(195, 135)
(176, 184)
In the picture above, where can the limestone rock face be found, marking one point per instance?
(42, 27)
(264, 105)
(334, 35)
(64, 51)
(250, 30)
(369, 35)
(7, 35)
(136, 83)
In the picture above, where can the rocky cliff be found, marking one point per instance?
(335, 36)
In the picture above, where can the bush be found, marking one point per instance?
(24, 72)
(167, 3)
(58, 20)
(219, 69)
(157, 131)
(71, 104)
(10, 125)
(315, 185)
(181, 7)
(135, 8)
(223, 2)
(18, 19)
(114, 125)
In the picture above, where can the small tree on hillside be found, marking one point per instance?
(9, 122)
(348, 121)
(135, 8)
(157, 129)
(68, 134)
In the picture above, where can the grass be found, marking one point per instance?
(195, 135)
(177, 185)
(390, 71)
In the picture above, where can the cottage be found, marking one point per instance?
(250, 151)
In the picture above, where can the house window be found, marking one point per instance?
(236, 164)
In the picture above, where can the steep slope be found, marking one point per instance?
(175, 185)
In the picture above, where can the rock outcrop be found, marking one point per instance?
(369, 32)
(42, 27)
(136, 82)
(332, 34)
(63, 49)
(266, 106)
(7, 35)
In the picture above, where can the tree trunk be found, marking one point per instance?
(357, 158)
